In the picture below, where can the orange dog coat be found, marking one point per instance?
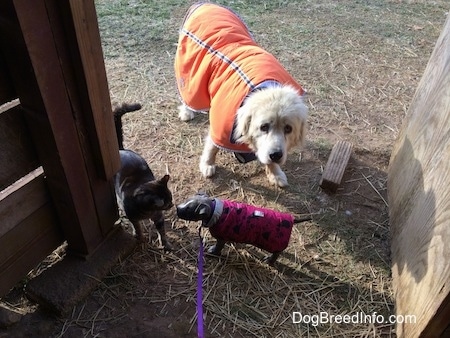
(217, 64)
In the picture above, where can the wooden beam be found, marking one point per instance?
(335, 167)
(419, 202)
(79, 46)
(89, 98)
(90, 50)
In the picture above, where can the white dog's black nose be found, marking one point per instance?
(276, 156)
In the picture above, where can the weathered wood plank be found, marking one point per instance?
(29, 229)
(91, 54)
(419, 202)
(18, 155)
(27, 244)
(13, 239)
(335, 167)
(21, 199)
(4, 107)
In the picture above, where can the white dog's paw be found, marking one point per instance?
(279, 179)
(207, 170)
(185, 114)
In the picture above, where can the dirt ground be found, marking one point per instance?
(360, 62)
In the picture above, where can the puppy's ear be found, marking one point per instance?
(203, 210)
(243, 120)
(201, 193)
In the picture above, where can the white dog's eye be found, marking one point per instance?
(287, 129)
(265, 127)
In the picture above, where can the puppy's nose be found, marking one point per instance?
(276, 156)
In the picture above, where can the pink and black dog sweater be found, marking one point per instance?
(242, 223)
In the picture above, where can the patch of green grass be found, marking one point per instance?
(129, 26)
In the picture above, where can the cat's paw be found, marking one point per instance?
(207, 170)
(185, 114)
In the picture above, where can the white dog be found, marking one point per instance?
(255, 106)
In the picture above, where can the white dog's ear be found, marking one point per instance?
(300, 139)
(243, 120)
(302, 115)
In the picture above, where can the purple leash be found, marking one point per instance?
(200, 332)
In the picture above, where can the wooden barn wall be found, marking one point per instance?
(59, 150)
(419, 202)
(29, 228)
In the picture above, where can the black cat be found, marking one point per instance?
(138, 193)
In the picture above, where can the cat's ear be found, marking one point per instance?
(165, 179)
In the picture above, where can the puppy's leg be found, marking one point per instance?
(217, 248)
(184, 113)
(208, 158)
(272, 258)
(276, 175)
(158, 219)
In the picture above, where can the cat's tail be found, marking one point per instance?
(124, 108)
(119, 111)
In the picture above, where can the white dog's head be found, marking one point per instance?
(271, 122)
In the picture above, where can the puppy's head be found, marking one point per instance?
(196, 208)
(271, 122)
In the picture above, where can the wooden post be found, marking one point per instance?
(68, 111)
(419, 202)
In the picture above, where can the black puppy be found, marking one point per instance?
(230, 221)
